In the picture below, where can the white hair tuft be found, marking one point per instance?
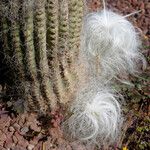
(112, 40)
(96, 116)
(110, 46)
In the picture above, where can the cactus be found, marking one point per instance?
(45, 38)
(30, 58)
(50, 68)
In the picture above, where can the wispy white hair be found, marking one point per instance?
(96, 116)
(110, 46)
(113, 41)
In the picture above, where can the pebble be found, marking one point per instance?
(9, 103)
(30, 147)
(3, 138)
(15, 140)
(24, 130)
(16, 126)
(11, 129)
(22, 119)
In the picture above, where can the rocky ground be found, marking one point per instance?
(23, 131)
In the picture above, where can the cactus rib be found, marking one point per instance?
(40, 31)
(52, 42)
(18, 56)
(27, 30)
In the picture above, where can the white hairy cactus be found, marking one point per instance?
(96, 115)
(113, 41)
(110, 46)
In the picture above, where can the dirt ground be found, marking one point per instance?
(24, 131)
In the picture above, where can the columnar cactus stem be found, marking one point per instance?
(27, 30)
(52, 44)
(75, 16)
(4, 37)
(52, 26)
(18, 56)
(63, 44)
(4, 32)
(40, 31)
(75, 23)
(17, 51)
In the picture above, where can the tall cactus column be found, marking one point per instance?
(68, 26)
(59, 33)
(30, 57)
(53, 48)
(41, 51)
(44, 46)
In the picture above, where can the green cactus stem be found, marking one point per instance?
(40, 32)
(52, 45)
(4, 38)
(29, 52)
(18, 57)
(75, 23)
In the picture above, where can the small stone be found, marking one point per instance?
(34, 141)
(1, 133)
(24, 130)
(9, 134)
(31, 118)
(3, 138)
(22, 119)
(9, 103)
(30, 147)
(15, 140)
(16, 126)
(23, 142)
(11, 129)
